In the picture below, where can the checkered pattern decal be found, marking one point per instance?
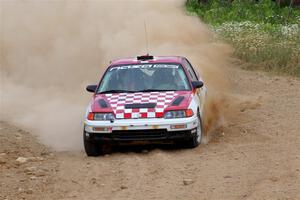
(118, 101)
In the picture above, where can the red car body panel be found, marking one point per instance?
(163, 100)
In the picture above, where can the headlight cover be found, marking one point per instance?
(101, 116)
(178, 114)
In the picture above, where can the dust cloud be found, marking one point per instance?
(50, 50)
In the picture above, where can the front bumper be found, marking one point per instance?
(155, 136)
(153, 130)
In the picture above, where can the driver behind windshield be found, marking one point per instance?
(131, 80)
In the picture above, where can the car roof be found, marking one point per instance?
(156, 59)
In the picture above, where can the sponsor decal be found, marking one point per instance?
(145, 66)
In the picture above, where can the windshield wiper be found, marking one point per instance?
(128, 91)
(115, 91)
(154, 90)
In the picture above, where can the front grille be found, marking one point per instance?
(141, 134)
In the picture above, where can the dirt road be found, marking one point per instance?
(255, 155)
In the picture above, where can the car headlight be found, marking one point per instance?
(178, 114)
(101, 116)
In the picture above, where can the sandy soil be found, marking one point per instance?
(255, 155)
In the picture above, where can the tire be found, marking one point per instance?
(196, 139)
(91, 148)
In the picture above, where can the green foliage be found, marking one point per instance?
(264, 35)
(217, 12)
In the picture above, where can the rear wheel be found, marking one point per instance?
(91, 148)
(197, 137)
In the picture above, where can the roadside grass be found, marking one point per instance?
(263, 35)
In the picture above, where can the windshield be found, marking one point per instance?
(144, 77)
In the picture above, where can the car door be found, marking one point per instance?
(200, 92)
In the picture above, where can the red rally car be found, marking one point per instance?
(145, 99)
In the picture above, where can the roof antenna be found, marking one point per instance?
(146, 37)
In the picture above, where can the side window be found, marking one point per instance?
(190, 70)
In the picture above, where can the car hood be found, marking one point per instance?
(141, 104)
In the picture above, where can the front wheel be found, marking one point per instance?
(197, 137)
(91, 148)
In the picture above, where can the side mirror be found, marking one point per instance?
(91, 88)
(197, 84)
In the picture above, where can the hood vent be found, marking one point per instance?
(102, 103)
(177, 101)
(140, 105)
